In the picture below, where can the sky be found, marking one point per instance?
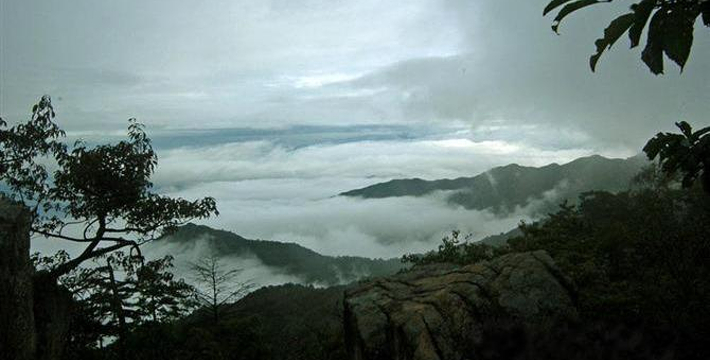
(273, 107)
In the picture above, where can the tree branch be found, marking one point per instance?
(59, 236)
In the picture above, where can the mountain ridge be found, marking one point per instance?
(503, 189)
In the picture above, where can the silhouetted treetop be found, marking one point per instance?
(103, 190)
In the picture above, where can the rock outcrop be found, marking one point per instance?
(34, 310)
(17, 331)
(446, 312)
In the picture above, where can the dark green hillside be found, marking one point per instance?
(290, 258)
(504, 188)
(301, 322)
(276, 322)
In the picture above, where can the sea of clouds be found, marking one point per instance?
(270, 190)
(276, 186)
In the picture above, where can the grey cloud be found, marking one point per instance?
(212, 62)
(239, 63)
(514, 70)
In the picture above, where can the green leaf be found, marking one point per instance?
(611, 34)
(685, 128)
(652, 54)
(678, 35)
(642, 11)
(554, 4)
(570, 8)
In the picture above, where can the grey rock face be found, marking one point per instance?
(443, 312)
(17, 335)
(31, 326)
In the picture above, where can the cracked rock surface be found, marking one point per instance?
(441, 312)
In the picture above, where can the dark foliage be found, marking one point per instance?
(687, 154)
(670, 29)
(117, 295)
(640, 262)
(22, 178)
(637, 258)
(279, 322)
(453, 251)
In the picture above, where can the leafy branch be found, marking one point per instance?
(670, 30)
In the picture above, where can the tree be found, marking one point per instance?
(670, 29)
(160, 296)
(216, 285)
(104, 190)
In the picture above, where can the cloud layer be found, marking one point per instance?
(265, 190)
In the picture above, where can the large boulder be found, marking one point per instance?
(443, 312)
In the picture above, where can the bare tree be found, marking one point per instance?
(217, 285)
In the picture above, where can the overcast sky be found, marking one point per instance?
(343, 93)
(261, 63)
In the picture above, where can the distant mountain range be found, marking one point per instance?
(286, 258)
(503, 189)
